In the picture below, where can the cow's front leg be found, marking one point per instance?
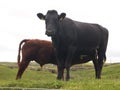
(60, 68)
(67, 74)
(60, 73)
(70, 54)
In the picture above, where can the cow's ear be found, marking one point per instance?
(62, 16)
(41, 16)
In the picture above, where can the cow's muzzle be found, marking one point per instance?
(49, 33)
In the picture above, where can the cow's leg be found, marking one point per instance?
(71, 52)
(22, 67)
(60, 65)
(60, 72)
(96, 66)
(100, 63)
(95, 62)
(68, 73)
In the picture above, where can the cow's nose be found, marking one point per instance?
(49, 33)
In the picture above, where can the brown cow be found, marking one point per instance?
(40, 51)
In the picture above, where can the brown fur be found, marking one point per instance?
(40, 51)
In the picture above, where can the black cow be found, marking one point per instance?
(42, 52)
(72, 38)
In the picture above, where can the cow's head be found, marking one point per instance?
(52, 20)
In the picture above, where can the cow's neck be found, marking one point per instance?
(54, 40)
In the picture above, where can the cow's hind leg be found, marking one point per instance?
(96, 66)
(100, 63)
(22, 67)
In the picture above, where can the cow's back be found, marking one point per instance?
(37, 49)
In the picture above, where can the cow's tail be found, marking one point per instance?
(19, 57)
(105, 38)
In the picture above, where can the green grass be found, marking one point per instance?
(81, 78)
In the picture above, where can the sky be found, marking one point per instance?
(18, 21)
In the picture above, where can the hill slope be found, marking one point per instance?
(82, 77)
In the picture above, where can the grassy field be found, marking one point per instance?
(82, 78)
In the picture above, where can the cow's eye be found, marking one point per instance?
(56, 19)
